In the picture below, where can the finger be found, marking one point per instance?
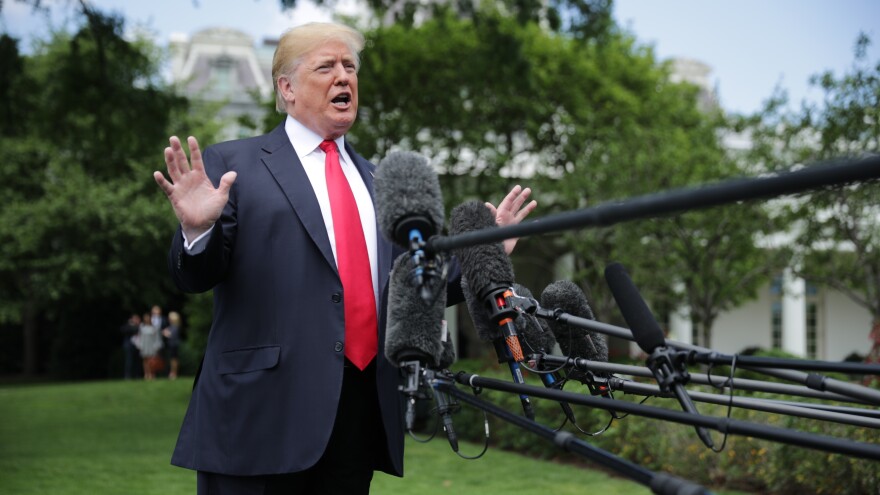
(226, 182)
(166, 187)
(171, 164)
(524, 212)
(181, 163)
(491, 208)
(509, 199)
(195, 154)
(521, 198)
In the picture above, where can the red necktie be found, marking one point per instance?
(353, 262)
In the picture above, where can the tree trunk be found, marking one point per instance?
(31, 339)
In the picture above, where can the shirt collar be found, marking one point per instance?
(305, 140)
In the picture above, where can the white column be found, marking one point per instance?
(681, 327)
(794, 315)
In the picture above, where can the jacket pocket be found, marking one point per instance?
(249, 359)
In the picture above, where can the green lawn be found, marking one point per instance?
(116, 437)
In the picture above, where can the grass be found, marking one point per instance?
(116, 437)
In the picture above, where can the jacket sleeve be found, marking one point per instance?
(201, 272)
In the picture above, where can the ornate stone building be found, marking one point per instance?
(226, 67)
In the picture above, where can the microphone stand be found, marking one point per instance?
(813, 380)
(844, 415)
(660, 483)
(791, 409)
(672, 201)
(736, 383)
(712, 357)
(723, 425)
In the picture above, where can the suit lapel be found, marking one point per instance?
(282, 162)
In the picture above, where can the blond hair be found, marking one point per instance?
(297, 42)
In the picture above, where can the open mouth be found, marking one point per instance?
(343, 99)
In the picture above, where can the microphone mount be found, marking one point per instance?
(413, 376)
(428, 266)
(668, 367)
(420, 383)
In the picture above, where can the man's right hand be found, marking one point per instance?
(196, 202)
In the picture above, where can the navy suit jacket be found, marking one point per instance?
(266, 396)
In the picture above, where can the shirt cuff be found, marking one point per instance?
(198, 244)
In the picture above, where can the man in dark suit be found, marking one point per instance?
(294, 394)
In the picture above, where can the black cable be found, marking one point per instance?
(433, 434)
(476, 391)
(729, 406)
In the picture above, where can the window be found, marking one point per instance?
(812, 296)
(222, 75)
(776, 312)
(776, 325)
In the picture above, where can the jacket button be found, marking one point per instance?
(336, 297)
(338, 347)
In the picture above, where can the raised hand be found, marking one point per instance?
(511, 211)
(195, 200)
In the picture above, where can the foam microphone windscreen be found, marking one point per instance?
(573, 341)
(645, 329)
(408, 197)
(414, 327)
(534, 333)
(484, 266)
(486, 330)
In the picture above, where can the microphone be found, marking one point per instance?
(414, 338)
(564, 296)
(409, 209)
(414, 328)
(487, 278)
(536, 336)
(665, 364)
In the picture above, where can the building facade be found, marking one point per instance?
(225, 67)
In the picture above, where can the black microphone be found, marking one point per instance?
(535, 336)
(487, 281)
(564, 296)
(409, 209)
(414, 338)
(666, 365)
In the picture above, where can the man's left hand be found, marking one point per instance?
(512, 210)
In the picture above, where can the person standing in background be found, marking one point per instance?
(172, 343)
(149, 343)
(130, 354)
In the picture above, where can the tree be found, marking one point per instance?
(83, 231)
(837, 230)
(493, 100)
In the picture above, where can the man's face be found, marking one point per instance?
(324, 90)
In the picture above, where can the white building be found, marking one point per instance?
(803, 319)
(224, 66)
(789, 314)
